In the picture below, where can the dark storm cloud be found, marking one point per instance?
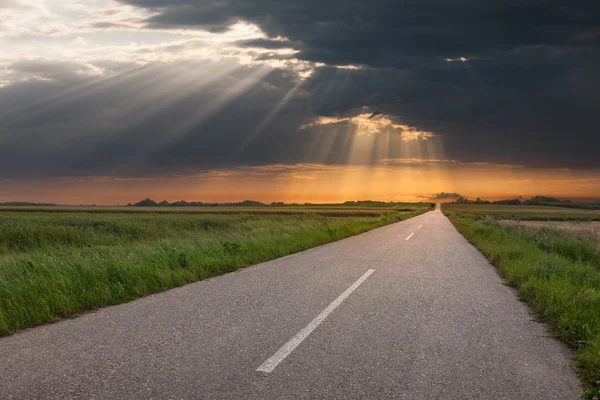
(521, 112)
(386, 32)
(268, 43)
(526, 95)
(168, 119)
(146, 121)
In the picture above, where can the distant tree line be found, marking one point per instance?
(25, 203)
(372, 203)
(533, 201)
(365, 202)
(246, 203)
(182, 203)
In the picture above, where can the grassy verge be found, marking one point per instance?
(54, 265)
(556, 273)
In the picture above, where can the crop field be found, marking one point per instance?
(589, 230)
(333, 211)
(59, 261)
(552, 256)
(529, 213)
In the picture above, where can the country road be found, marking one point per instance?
(406, 311)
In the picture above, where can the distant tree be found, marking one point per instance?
(146, 203)
(245, 203)
(536, 200)
(511, 202)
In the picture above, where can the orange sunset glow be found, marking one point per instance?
(317, 184)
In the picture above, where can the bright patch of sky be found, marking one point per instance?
(108, 35)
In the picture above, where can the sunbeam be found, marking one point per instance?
(169, 89)
(231, 93)
(72, 93)
(250, 137)
(194, 120)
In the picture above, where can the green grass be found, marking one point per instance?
(557, 273)
(57, 264)
(321, 209)
(525, 213)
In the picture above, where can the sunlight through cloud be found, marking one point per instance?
(373, 124)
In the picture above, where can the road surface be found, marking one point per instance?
(406, 311)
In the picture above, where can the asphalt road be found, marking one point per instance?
(375, 316)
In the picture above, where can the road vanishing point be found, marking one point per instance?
(407, 311)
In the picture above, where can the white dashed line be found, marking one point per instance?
(286, 349)
(409, 236)
(420, 226)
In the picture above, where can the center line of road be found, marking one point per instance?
(286, 349)
(420, 226)
(409, 236)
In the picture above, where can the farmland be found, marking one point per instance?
(317, 209)
(59, 261)
(551, 256)
(521, 212)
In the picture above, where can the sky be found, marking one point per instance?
(110, 102)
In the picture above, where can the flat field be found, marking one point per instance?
(59, 261)
(582, 229)
(529, 213)
(322, 209)
(552, 256)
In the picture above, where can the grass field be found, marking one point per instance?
(56, 262)
(322, 209)
(554, 263)
(589, 229)
(529, 213)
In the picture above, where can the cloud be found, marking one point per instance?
(142, 120)
(267, 43)
(443, 196)
(59, 18)
(52, 70)
(372, 124)
(80, 40)
(401, 161)
(496, 80)
(383, 33)
(173, 87)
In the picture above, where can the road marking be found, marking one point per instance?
(409, 236)
(420, 226)
(286, 349)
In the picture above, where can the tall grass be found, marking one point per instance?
(54, 265)
(557, 274)
(39, 231)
